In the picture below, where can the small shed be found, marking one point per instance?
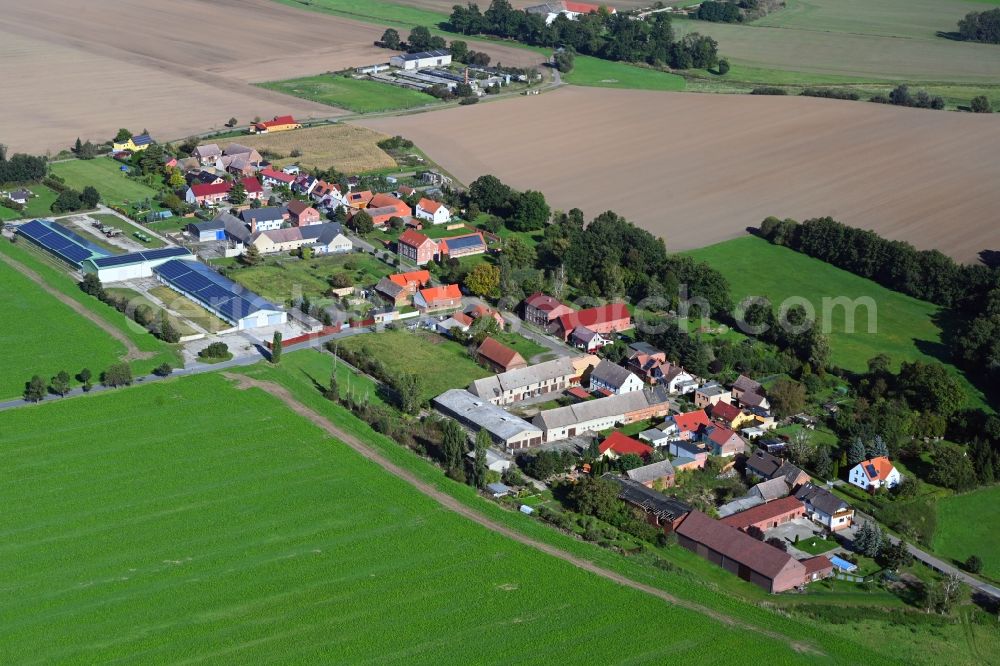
(498, 490)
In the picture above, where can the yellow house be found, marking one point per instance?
(279, 124)
(134, 144)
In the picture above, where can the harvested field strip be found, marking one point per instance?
(346, 147)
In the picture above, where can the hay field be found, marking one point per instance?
(351, 149)
(699, 169)
(174, 68)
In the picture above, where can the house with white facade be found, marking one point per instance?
(432, 211)
(873, 474)
(613, 378)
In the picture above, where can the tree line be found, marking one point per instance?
(600, 34)
(21, 169)
(158, 324)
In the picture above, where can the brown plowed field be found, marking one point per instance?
(698, 169)
(73, 68)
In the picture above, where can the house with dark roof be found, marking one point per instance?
(265, 218)
(209, 230)
(587, 340)
(542, 310)
(825, 508)
(762, 465)
(739, 553)
(301, 214)
(659, 474)
(749, 393)
(661, 511)
(613, 379)
(499, 356)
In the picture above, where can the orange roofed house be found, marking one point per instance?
(399, 289)
(616, 445)
(383, 207)
(499, 356)
(542, 310)
(604, 319)
(416, 247)
(435, 299)
(277, 124)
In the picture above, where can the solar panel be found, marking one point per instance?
(213, 290)
(871, 470)
(69, 247)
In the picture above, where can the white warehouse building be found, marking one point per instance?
(438, 58)
(134, 265)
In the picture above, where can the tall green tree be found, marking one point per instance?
(480, 469)
(117, 374)
(60, 383)
(34, 389)
(276, 348)
(390, 39)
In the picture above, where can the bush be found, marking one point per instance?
(119, 374)
(466, 101)
(163, 370)
(723, 67)
(980, 104)
(831, 93)
(215, 350)
(973, 564)
(768, 90)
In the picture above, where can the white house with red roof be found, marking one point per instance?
(432, 211)
(873, 474)
(276, 178)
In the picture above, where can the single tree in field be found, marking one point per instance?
(390, 39)
(90, 197)
(34, 389)
(232, 122)
(60, 383)
(163, 370)
(332, 393)
(484, 280)
(276, 348)
(973, 564)
(176, 180)
(119, 374)
(452, 443)
(251, 256)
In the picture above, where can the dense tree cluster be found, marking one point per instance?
(600, 34)
(21, 169)
(901, 96)
(981, 26)
(522, 211)
(719, 12)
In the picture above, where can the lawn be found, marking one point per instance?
(39, 205)
(590, 71)
(282, 278)
(358, 95)
(128, 229)
(904, 327)
(816, 545)
(440, 363)
(103, 173)
(44, 336)
(189, 310)
(522, 345)
(242, 533)
(969, 524)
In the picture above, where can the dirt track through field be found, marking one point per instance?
(698, 169)
(134, 353)
(452, 504)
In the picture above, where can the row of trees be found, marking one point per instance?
(21, 169)
(117, 374)
(158, 324)
(901, 96)
(600, 34)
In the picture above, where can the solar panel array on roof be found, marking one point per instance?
(216, 292)
(138, 257)
(463, 242)
(60, 241)
(872, 472)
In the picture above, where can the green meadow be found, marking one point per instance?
(358, 95)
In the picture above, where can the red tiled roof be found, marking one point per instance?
(209, 190)
(881, 466)
(462, 318)
(623, 445)
(578, 392)
(720, 435)
(387, 200)
(443, 293)
(725, 411)
(278, 120)
(404, 279)
(817, 564)
(582, 7)
(542, 301)
(591, 317)
(277, 175)
(763, 512)
(429, 205)
(499, 353)
(412, 238)
(691, 421)
(252, 185)
(736, 545)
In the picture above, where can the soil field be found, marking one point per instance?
(349, 148)
(179, 68)
(699, 169)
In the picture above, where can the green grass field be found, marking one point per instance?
(382, 12)
(440, 363)
(128, 229)
(904, 326)
(970, 525)
(103, 173)
(360, 96)
(280, 278)
(242, 533)
(38, 206)
(45, 336)
(589, 71)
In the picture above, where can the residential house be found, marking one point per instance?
(553, 376)
(436, 299)
(498, 490)
(434, 212)
(459, 321)
(304, 184)
(686, 426)
(688, 455)
(613, 378)
(543, 310)
(322, 238)
(328, 194)
(250, 155)
(710, 394)
(264, 219)
(404, 192)
(729, 415)
(722, 441)
(825, 508)
(739, 553)
(133, 144)
(208, 195)
(601, 414)
(301, 214)
(749, 393)
(399, 289)
(605, 319)
(657, 475)
(654, 437)
(273, 178)
(386, 201)
(499, 356)
(208, 153)
(462, 246)
(21, 196)
(252, 188)
(587, 340)
(663, 512)
(479, 310)
(770, 490)
(494, 461)
(767, 516)
(762, 465)
(359, 199)
(617, 445)
(873, 474)
(504, 428)
(203, 177)
(416, 247)
(277, 124)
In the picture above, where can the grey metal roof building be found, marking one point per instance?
(549, 373)
(649, 473)
(474, 412)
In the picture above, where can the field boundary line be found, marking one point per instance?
(134, 353)
(281, 393)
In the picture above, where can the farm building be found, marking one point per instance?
(322, 238)
(60, 242)
(134, 265)
(552, 376)
(601, 414)
(505, 428)
(613, 378)
(209, 230)
(264, 219)
(462, 246)
(542, 310)
(666, 513)
(499, 356)
(220, 295)
(767, 516)
(438, 58)
(659, 474)
(605, 319)
(277, 124)
(550, 11)
(433, 299)
(617, 445)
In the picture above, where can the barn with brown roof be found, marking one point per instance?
(499, 356)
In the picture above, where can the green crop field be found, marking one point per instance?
(103, 173)
(242, 533)
(44, 336)
(383, 12)
(358, 95)
(440, 363)
(904, 326)
(278, 279)
(868, 40)
(969, 524)
(588, 71)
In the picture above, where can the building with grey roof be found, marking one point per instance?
(475, 413)
(771, 489)
(649, 475)
(739, 505)
(515, 385)
(613, 378)
(600, 414)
